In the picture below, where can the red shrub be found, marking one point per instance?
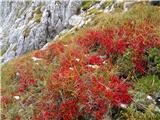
(96, 60)
(51, 51)
(75, 89)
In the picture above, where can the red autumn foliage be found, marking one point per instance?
(96, 60)
(75, 89)
(5, 100)
(17, 117)
(51, 51)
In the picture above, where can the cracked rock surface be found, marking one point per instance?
(27, 26)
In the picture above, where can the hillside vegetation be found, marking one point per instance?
(109, 69)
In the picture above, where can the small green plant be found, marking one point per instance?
(37, 13)
(86, 4)
(94, 11)
(29, 19)
(119, 7)
(132, 114)
(153, 55)
(37, 18)
(107, 3)
(2, 52)
(15, 48)
(154, 60)
(26, 32)
(125, 64)
(158, 69)
(38, 9)
(148, 84)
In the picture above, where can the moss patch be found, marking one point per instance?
(2, 52)
(29, 19)
(37, 18)
(119, 7)
(26, 32)
(37, 10)
(15, 48)
(94, 11)
(107, 3)
(37, 13)
(86, 4)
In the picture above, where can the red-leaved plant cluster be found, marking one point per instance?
(83, 85)
(77, 88)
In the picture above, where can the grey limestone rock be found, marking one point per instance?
(28, 25)
(76, 20)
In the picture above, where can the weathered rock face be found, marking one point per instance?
(26, 26)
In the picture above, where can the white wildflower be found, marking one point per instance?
(17, 73)
(93, 66)
(17, 97)
(36, 59)
(71, 68)
(149, 97)
(65, 45)
(123, 105)
(104, 62)
(77, 59)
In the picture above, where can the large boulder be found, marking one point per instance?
(76, 20)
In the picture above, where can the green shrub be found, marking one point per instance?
(125, 64)
(148, 84)
(131, 114)
(153, 55)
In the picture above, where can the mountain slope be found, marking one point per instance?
(108, 69)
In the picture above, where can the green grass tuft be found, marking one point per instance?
(148, 84)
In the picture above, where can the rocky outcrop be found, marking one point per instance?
(26, 26)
